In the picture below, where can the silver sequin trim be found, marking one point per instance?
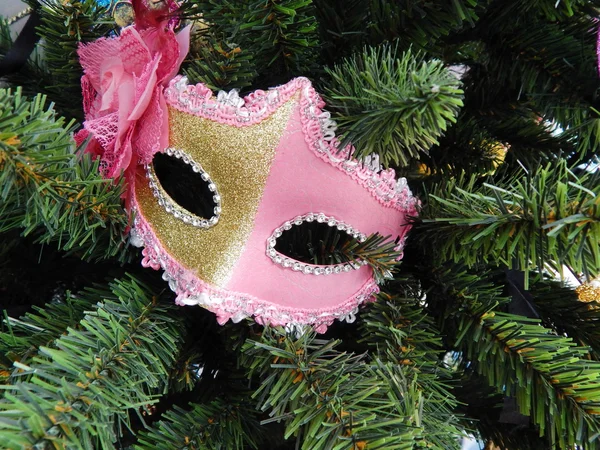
(171, 206)
(312, 269)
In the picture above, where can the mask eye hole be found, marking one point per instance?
(312, 243)
(184, 189)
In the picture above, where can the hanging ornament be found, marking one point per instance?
(246, 171)
(495, 152)
(589, 292)
(123, 14)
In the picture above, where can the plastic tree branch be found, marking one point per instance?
(76, 393)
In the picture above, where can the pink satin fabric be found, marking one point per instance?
(300, 183)
(307, 175)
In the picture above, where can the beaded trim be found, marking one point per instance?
(313, 269)
(319, 131)
(19, 16)
(229, 108)
(237, 306)
(171, 206)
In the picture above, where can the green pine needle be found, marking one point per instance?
(528, 220)
(219, 425)
(77, 392)
(49, 189)
(390, 105)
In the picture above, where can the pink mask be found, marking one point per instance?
(270, 161)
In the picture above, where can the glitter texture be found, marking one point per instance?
(238, 160)
(589, 292)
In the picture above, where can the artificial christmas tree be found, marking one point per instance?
(488, 108)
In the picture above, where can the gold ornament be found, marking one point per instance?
(123, 13)
(495, 152)
(589, 292)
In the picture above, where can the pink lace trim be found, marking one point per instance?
(236, 306)
(123, 93)
(319, 130)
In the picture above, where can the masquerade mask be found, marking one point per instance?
(268, 162)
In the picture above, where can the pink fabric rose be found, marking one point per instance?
(123, 83)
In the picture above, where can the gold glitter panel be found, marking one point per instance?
(238, 161)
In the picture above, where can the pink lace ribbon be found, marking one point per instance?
(123, 83)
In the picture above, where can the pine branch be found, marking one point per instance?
(341, 26)
(527, 220)
(25, 335)
(541, 55)
(422, 24)
(481, 142)
(219, 55)
(400, 332)
(561, 310)
(64, 26)
(220, 425)
(330, 399)
(553, 381)
(33, 77)
(377, 251)
(492, 412)
(394, 107)
(220, 65)
(536, 55)
(76, 393)
(554, 11)
(583, 128)
(271, 40)
(287, 31)
(50, 191)
(348, 25)
(493, 415)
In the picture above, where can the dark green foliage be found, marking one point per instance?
(37, 329)
(241, 40)
(64, 26)
(550, 376)
(538, 220)
(376, 251)
(393, 105)
(32, 78)
(287, 31)
(418, 23)
(220, 65)
(400, 332)
(559, 308)
(490, 108)
(330, 399)
(423, 24)
(216, 426)
(49, 189)
(118, 358)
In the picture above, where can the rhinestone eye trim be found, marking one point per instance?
(320, 129)
(171, 206)
(312, 269)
